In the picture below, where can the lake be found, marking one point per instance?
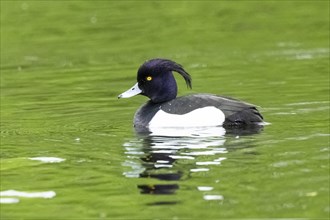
(68, 146)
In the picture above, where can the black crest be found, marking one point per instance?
(159, 65)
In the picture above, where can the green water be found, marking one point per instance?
(63, 63)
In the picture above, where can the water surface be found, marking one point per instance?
(68, 148)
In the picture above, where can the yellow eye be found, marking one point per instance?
(149, 78)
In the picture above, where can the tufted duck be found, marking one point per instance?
(156, 81)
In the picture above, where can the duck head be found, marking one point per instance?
(156, 81)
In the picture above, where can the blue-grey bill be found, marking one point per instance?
(135, 90)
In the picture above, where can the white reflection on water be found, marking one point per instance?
(208, 163)
(171, 154)
(199, 170)
(48, 159)
(9, 200)
(161, 149)
(213, 197)
(205, 188)
(15, 193)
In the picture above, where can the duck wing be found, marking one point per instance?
(237, 113)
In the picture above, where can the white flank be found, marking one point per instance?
(207, 116)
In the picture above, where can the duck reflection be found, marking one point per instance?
(167, 156)
(158, 189)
